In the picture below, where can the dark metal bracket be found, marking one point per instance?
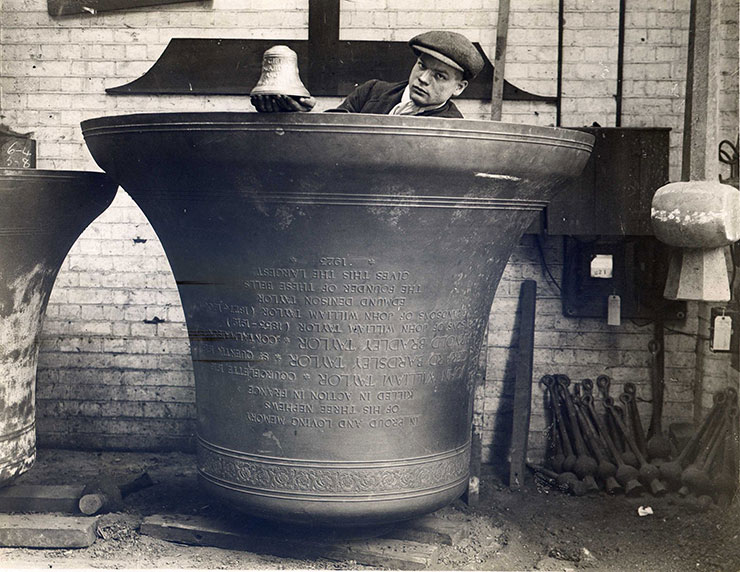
(330, 67)
(67, 7)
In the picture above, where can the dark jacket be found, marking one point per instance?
(377, 96)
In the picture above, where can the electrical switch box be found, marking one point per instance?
(613, 194)
(617, 279)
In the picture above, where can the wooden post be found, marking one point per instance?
(323, 42)
(499, 60)
(523, 385)
(701, 119)
(701, 110)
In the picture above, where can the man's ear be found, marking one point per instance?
(461, 85)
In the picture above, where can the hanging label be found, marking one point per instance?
(721, 334)
(614, 311)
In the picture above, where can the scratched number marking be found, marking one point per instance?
(12, 155)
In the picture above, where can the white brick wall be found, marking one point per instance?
(114, 368)
(115, 345)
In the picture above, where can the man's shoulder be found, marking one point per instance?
(380, 86)
(450, 110)
(373, 96)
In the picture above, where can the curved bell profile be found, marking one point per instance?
(391, 440)
(280, 74)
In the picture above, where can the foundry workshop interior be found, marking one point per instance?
(348, 318)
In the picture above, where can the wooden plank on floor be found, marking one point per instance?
(46, 531)
(431, 530)
(40, 498)
(202, 531)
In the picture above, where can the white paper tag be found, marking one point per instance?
(614, 311)
(722, 334)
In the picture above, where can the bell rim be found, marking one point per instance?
(297, 92)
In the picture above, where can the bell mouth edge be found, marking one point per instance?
(296, 93)
(199, 119)
(65, 174)
(369, 510)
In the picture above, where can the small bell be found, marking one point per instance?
(280, 74)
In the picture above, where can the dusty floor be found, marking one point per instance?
(535, 528)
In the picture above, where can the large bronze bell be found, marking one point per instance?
(336, 273)
(42, 213)
(280, 74)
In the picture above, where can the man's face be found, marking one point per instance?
(433, 82)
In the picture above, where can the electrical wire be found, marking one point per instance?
(543, 263)
(686, 333)
(668, 329)
(734, 257)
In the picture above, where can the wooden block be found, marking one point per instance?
(431, 529)
(40, 498)
(196, 531)
(523, 385)
(384, 552)
(201, 531)
(471, 497)
(46, 531)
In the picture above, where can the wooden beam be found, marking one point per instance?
(280, 541)
(523, 385)
(323, 44)
(40, 498)
(330, 67)
(47, 531)
(701, 108)
(431, 529)
(499, 60)
(620, 63)
(701, 124)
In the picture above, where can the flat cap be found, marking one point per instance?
(451, 48)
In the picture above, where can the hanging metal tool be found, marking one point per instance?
(570, 458)
(728, 154)
(671, 471)
(633, 414)
(658, 445)
(649, 473)
(586, 465)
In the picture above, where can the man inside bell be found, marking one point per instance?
(446, 62)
